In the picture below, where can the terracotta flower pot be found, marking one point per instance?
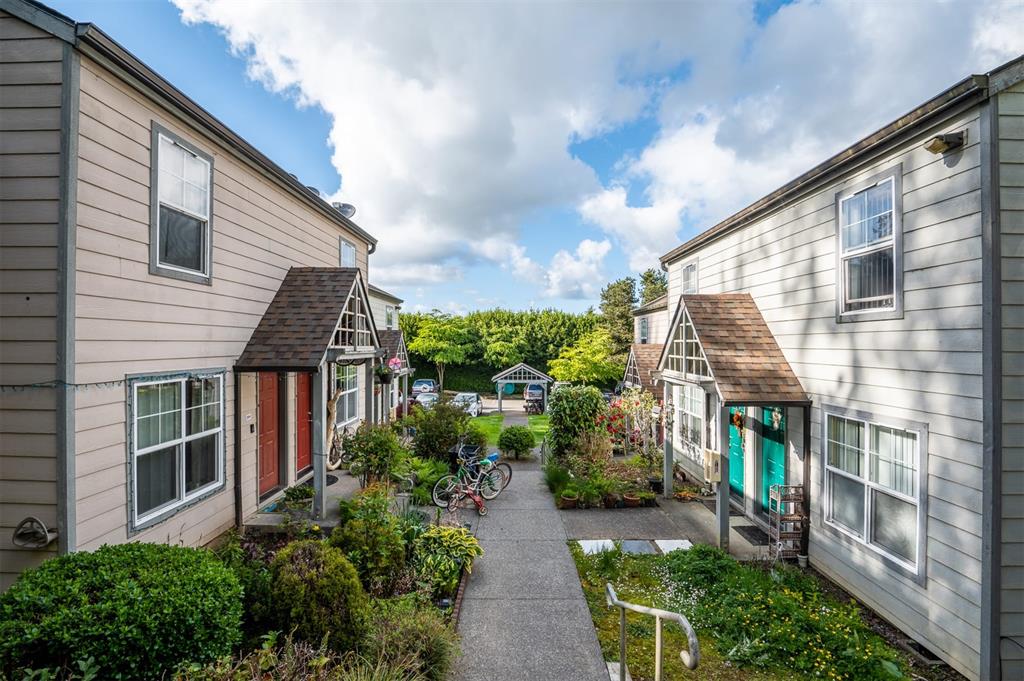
(631, 500)
(567, 501)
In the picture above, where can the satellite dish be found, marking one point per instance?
(346, 209)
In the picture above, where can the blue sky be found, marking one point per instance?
(524, 155)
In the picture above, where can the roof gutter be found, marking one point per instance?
(969, 90)
(93, 41)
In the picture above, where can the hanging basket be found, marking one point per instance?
(385, 379)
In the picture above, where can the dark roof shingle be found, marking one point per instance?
(297, 327)
(647, 356)
(746, 361)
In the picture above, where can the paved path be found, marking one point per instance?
(524, 617)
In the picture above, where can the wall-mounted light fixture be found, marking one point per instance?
(940, 144)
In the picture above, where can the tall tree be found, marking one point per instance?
(589, 360)
(653, 285)
(444, 340)
(617, 301)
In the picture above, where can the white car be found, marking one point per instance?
(424, 385)
(471, 402)
(427, 400)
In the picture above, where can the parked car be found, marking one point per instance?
(533, 391)
(424, 385)
(471, 402)
(427, 400)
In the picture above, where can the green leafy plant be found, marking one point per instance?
(440, 555)
(443, 339)
(125, 607)
(556, 477)
(438, 429)
(517, 441)
(317, 594)
(590, 360)
(573, 410)
(250, 565)
(377, 455)
(418, 637)
(372, 540)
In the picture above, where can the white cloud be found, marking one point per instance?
(815, 79)
(579, 274)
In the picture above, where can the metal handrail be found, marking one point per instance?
(690, 658)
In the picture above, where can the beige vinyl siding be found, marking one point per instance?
(378, 308)
(1011, 220)
(132, 322)
(926, 367)
(30, 101)
(657, 325)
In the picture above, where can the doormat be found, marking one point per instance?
(755, 535)
(712, 506)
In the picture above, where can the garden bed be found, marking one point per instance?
(753, 622)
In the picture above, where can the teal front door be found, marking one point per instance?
(736, 416)
(773, 451)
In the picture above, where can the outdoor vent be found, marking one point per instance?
(31, 533)
(940, 144)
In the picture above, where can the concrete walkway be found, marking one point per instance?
(524, 617)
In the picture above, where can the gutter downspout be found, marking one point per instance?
(238, 449)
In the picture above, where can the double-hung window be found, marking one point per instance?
(689, 416)
(347, 253)
(180, 231)
(177, 443)
(690, 277)
(389, 316)
(644, 330)
(346, 379)
(869, 278)
(873, 485)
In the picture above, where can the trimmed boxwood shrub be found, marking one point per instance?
(317, 594)
(517, 441)
(139, 610)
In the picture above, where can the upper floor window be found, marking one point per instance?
(869, 275)
(348, 254)
(873, 485)
(180, 231)
(690, 277)
(389, 316)
(644, 330)
(177, 443)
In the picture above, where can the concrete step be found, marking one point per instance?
(613, 671)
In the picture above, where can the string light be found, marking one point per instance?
(61, 384)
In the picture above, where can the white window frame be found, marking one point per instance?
(183, 500)
(340, 418)
(389, 316)
(645, 331)
(161, 134)
(893, 177)
(346, 246)
(689, 400)
(693, 287)
(913, 569)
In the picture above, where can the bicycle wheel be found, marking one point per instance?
(506, 473)
(492, 481)
(445, 486)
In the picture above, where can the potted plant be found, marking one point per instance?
(298, 501)
(612, 499)
(647, 499)
(568, 498)
(384, 373)
(631, 499)
(656, 483)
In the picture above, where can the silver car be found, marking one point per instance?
(427, 400)
(471, 402)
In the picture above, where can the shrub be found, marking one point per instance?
(372, 541)
(590, 455)
(574, 410)
(555, 476)
(317, 594)
(127, 607)
(438, 429)
(376, 452)
(517, 441)
(250, 565)
(401, 633)
(440, 555)
(295, 660)
(427, 472)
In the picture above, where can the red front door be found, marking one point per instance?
(267, 415)
(303, 423)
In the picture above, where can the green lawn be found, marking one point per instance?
(539, 426)
(491, 425)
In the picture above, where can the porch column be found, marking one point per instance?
(668, 461)
(722, 502)
(544, 404)
(405, 394)
(319, 440)
(368, 377)
(501, 389)
(805, 527)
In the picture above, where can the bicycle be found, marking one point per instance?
(483, 476)
(463, 491)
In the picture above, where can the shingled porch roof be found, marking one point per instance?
(745, 361)
(296, 330)
(643, 357)
(393, 343)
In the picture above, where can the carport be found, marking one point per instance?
(522, 374)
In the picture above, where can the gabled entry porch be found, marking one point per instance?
(738, 416)
(316, 339)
